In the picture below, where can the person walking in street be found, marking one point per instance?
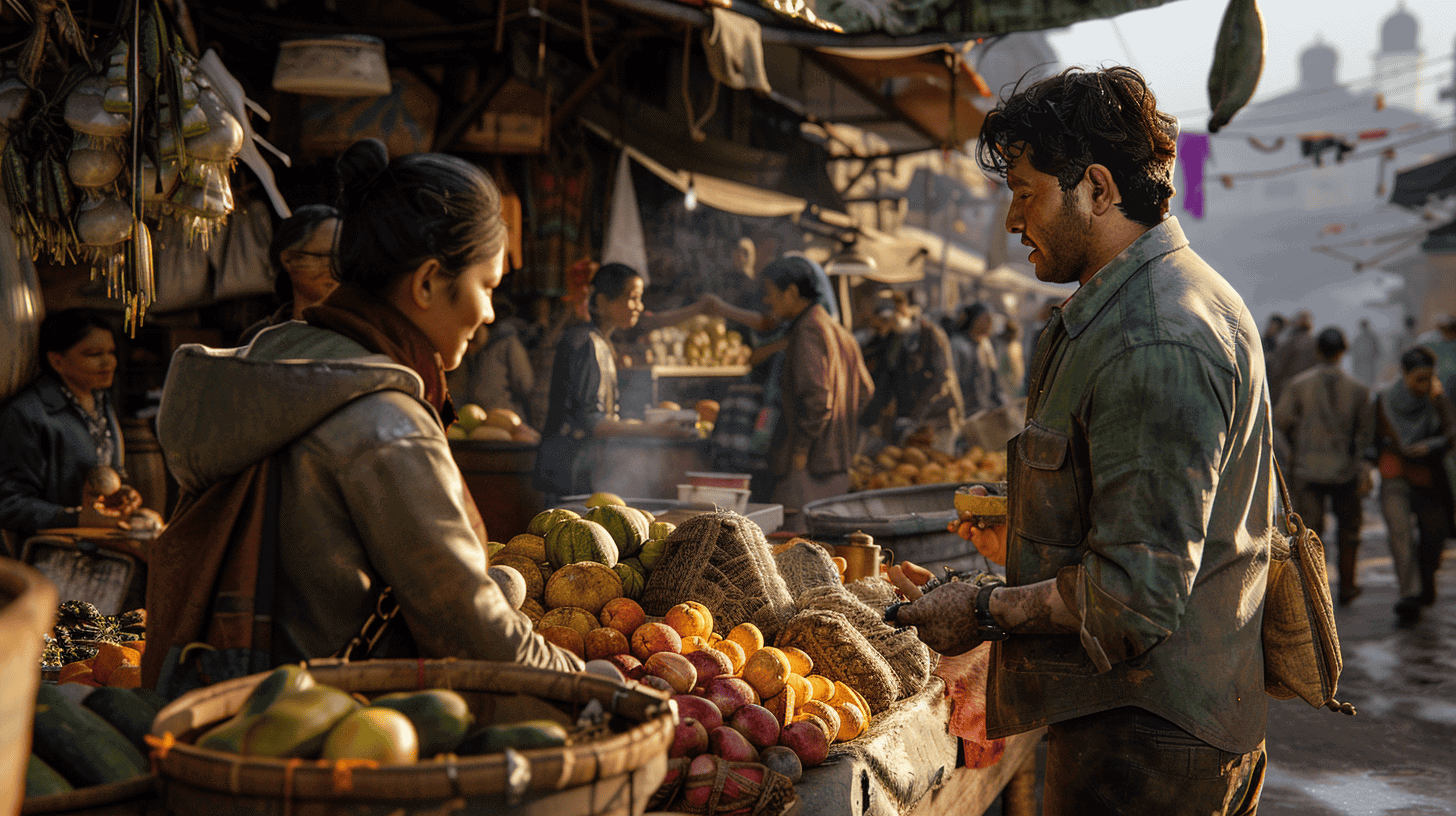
(1273, 328)
(1365, 354)
(1328, 420)
(824, 386)
(975, 360)
(1415, 427)
(911, 359)
(1402, 339)
(1442, 342)
(1294, 355)
(1141, 493)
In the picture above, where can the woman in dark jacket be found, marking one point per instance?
(60, 427)
(1414, 430)
(583, 403)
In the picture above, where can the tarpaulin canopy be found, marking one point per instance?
(718, 193)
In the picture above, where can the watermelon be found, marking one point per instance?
(546, 519)
(633, 581)
(651, 553)
(576, 540)
(627, 526)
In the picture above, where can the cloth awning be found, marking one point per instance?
(940, 252)
(1436, 178)
(719, 193)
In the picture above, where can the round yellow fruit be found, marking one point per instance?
(690, 619)
(381, 734)
(767, 670)
(748, 638)
(528, 546)
(734, 653)
(585, 584)
(486, 433)
(572, 617)
(603, 499)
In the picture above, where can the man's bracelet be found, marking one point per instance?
(987, 627)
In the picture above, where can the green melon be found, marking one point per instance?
(660, 529)
(576, 540)
(546, 519)
(627, 526)
(633, 581)
(651, 553)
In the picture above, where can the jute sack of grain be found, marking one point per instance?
(806, 565)
(841, 653)
(910, 660)
(874, 591)
(722, 561)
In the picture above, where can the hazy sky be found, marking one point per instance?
(1173, 45)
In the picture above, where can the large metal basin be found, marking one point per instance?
(911, 521)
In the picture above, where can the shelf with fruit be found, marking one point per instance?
(700, 342)
(916, 465)
(501, 425)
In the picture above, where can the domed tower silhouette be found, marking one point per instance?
(1397, 65)
(1317, 67)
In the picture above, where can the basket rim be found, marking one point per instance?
(448, 775)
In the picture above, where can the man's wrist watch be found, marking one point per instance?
(986, 626)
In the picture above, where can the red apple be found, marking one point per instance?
(757, 724)
(805, 739)
(689, 739)
(710, 663)
(700, 709)
(731, 745)
(629, 666)
(729, 694)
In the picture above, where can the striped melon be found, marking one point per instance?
(546, 519)
(576, 540)
(627, 526)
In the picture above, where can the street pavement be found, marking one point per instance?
(1397, 755)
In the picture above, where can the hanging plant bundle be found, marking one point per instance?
(39, 190)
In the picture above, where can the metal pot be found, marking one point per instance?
(861, 556)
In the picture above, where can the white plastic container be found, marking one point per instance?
(728, 498)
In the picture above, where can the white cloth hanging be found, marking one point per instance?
(624, 241)
(734, 48)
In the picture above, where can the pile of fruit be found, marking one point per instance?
(97, 741)
(93, 649)
(700, 341)
(916, 465)
(500, 425)
(564, 562)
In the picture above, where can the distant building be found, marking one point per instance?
(1397, 74)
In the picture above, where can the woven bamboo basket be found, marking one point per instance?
(611, 775)
(27, 610)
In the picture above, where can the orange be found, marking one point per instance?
(734, 652)
(747, 636)
(109, 657)
(127, 677)
(690, 619)
(767, 670)
(693, 643)
(78, 672)
(799, 662)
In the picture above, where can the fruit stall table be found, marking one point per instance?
(906, 765)
(648, 385)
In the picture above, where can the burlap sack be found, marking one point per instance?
(805, 566)
(910, 660)
(722, 561)
(875, 592)
(841, 653)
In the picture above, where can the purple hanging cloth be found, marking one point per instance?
(1193, 152)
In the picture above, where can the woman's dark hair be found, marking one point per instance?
(610, 282)
(396, 214)
(1067, 123)
(61, 331)
(969, 315)
(1417, 357)
(293, 232)
(794, 272)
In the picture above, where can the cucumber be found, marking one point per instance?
(76, 741)
(43, 780)
(520, 736)
(126, 712)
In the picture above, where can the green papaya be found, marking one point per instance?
(651, 553)
(520, 736)
(297, 723)
(227, 735)
(43, 780)
(280, 681)
(440, 717)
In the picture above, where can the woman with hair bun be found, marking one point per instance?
(584, 400)
(351, 406)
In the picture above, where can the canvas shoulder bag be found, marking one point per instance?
(1301, 646)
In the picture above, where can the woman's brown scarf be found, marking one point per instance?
(378, 326)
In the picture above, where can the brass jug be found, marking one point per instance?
(861, 556)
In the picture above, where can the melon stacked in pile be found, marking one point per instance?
(568, 563)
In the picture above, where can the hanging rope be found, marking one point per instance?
(695, 125)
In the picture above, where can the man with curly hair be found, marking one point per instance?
(1141, 490)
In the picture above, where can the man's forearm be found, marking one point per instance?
(1033, 609)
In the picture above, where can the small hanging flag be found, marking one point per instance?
(1378, 133)
(1380, 102)
(1192, 155)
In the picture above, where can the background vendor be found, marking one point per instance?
(302, 252)
(584, 392)
(60, 427)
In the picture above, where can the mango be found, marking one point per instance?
(373, 732)
(279, 682)
(440, 717)
(297, 723)
(228, 736)
(519, 736)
